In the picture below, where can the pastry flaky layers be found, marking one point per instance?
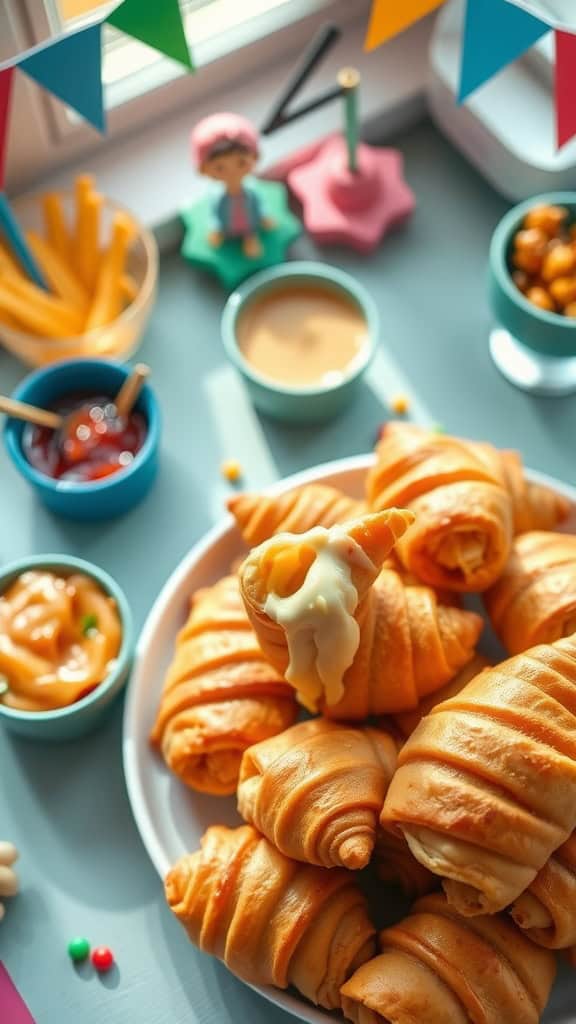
(438, 968)
(271, 920)
(353, 639)
(534, 601)
(485, 789)
(469, 499)
(317, 790)
(260, 516)
(547, 910)
(220, 695)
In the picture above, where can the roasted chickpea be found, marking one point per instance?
(558, 262)
(521, 280)
(570, 309)
(549, 219)
(538, 296)
(528, 261)
(563, 290)
(532, 239)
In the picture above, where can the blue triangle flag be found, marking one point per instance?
(496, 32)
(71, 69)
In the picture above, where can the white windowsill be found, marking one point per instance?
(151, 173)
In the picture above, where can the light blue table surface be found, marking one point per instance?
(83, 868)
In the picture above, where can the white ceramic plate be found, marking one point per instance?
(170, 818)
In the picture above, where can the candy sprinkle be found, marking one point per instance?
(231, 470)
(102, 958)
(78, 949)
(399, 404)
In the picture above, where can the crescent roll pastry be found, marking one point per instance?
(404, 643)
(317, 790)
(271, 920)
(534, 601)
(468, 499)
(547, 910)
(395, 864)
(437, 968)
(407, 721)
(220, 695)
(485, 789)
(260, 517)
(303, 594)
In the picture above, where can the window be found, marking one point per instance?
(230, 41)
(213, 28)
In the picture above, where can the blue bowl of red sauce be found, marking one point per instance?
(97, 467)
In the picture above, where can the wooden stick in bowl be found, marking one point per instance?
(30, 413)
(128, 395)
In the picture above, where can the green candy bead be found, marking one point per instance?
(78, 949)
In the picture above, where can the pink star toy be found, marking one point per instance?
(351, 193)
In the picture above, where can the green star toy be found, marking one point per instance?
(228, 260)
(249, 226)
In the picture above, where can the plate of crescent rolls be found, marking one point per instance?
(350, 738)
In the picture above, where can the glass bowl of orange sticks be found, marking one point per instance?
(100, 269)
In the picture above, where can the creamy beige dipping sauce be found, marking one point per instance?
(302, 334)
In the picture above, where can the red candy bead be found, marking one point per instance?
(102, 958)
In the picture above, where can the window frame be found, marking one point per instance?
(56, 139)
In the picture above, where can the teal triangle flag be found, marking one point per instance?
(71, 69)
(158, 23)
(496, 32)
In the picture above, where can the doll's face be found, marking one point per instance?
(231, 167)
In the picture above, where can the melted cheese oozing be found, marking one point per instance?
(318, 620)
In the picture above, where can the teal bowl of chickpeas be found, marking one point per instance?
(532, 288)
(532, 276)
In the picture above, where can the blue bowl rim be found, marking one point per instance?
(71, 487)
(503, 231)
(284, 272)
(10, 572)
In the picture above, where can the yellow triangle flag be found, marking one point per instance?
(389, 17)
(76, 8)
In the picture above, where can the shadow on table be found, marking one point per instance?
(213, 992)
(353, 432)
(78, 810)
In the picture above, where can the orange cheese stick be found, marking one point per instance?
(55, 225)
(30, 317)
(128, 287)
(88, 237)
(83, 187)
(68, 320)
(107, 302)
(7, 320)
(8, 264)
(57, 272)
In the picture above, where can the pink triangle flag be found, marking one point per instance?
(565, 87)
(6, 78)
(13, 1009)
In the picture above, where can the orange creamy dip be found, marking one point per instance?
(58, 640)
(302, 335)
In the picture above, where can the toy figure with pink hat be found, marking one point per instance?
(225, 147)
(248, 227)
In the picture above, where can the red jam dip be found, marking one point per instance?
(93, 444)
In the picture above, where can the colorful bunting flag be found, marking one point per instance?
(389, 17)
(70, 9)
(6, 79)
(565, 87)
(71, 69)
(495, 33)
(158, 23)
(13, 1009)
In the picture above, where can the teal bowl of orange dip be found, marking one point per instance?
(301, 335)
(66, 646)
